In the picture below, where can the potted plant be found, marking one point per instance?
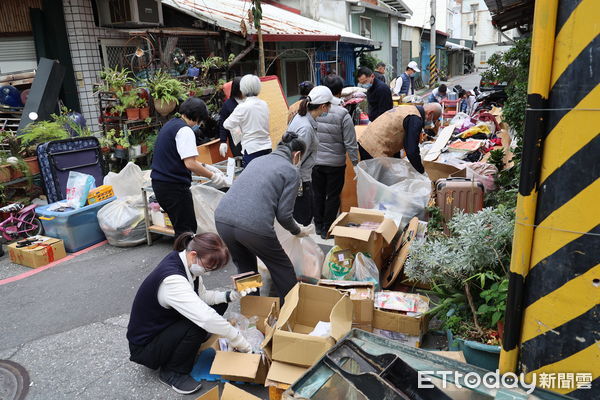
(468, 273)
(129, 101)
(36, 133)
(116, 79)
(142, 105)
(121, 146)
(166, 92)
(107, 141)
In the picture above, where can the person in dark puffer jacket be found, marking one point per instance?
(336, 138)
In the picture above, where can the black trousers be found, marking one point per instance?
(176, 200)
(327, 184)
(175, 348)
(303, 212)
(245, 246)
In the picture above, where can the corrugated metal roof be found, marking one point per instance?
(277, 24)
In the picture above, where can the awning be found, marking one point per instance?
(457, 47)
(278, 25)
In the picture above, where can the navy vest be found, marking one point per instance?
(407, 81)
(148, 318)
(167, 165)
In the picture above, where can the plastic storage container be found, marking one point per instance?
(77, 228)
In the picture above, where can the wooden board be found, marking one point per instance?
(442, 138)
(272, 93)
(208, 153)
(348, 197)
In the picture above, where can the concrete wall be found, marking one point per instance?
(413, 35)
(380, 33)
(84, 38)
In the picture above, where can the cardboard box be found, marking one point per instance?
(240, 367)
(245, 367)
(306, 305)
(259, 306)
(230, 392)
(41, 253)
(247, 280)
(398, 322)
(362, 295)
(282, 373)
(436, 170)
(374, 242)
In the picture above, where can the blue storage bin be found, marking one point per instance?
(77, 228)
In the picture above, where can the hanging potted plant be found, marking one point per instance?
(166, 92)
(468, 273)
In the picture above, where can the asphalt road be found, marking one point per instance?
(66, 325)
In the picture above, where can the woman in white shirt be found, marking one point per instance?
(249, 122)
(173, 313)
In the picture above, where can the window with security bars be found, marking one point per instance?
(117, 55)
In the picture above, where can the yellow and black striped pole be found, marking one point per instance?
(433, 72)
(556, 283)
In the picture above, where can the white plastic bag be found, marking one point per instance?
(366, 270)
(304, 253)
(393, 186)
(128, 182)
(78, 187)
(206, 199)
(122, 222)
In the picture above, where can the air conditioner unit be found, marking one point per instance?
(129, 13)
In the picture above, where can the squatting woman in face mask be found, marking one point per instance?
(173, 313)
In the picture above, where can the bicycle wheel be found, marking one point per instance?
(37, 231)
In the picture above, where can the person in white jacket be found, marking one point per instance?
(173, 313)
(249, 121)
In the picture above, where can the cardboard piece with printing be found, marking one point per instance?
(306, 305)
(362, 295)
(375, 242)
(402, 323)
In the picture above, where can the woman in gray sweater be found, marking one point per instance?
(266, 190)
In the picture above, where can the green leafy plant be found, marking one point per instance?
(165, 88)
(122, 141)
(128, 100)
(492, 310)
(115, 78)
(367, 60)
(436, 220)
(43, 131)
(65, 120)
(465, 264)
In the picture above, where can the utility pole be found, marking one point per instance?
(433, 75)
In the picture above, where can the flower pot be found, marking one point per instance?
(164, 108)
(454, 343)
(15, 173)
(137, 150)
(144, 112)
(193, 71)
(105, 150)
(121, 152)
(144, 148)
(5, 173)
(482, 355)
(128, 87)
(33, 165)
(133, 114)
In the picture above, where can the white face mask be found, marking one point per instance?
(198, 269)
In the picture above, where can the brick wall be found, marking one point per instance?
(84, 42)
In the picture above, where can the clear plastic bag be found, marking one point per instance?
(122, 222)
(365, 269)
(128, 182)
(206, 199)
(333, 269)
(393, 186)
(78, 187)
(248, 329)
(304, 253)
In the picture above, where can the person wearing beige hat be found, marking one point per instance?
(316, 104)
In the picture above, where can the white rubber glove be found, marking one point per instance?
(234, 295)
(212, 169)
(241, 344)
(304, 231)
(218, 180)
(223, 149)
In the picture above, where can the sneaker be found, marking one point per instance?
(325, 237)
(318, 229)
(183, 384)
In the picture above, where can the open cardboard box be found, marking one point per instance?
(245, 367)
(398, 322)
(362, 295)
(436, 170)
(306, 305)
(230, 392)
(374, 242)
(282, 374)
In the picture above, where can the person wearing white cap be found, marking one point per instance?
(405, 84)
(316, 104)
